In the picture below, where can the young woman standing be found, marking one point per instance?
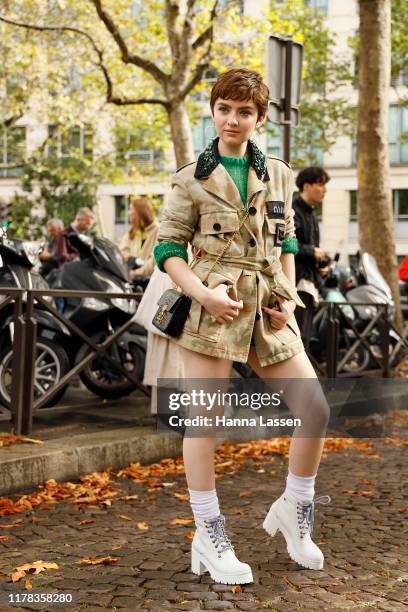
(141, 237)
(244, 311)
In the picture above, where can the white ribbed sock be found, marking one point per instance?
(300, 487)
(204, 504)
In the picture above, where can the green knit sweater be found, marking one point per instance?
(237, 168)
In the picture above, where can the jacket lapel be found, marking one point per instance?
(221, 185)
(255, 185)
(216, 180)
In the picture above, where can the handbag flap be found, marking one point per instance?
(170, 298)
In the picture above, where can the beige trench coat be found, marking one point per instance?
(205, 211)
(131, 247)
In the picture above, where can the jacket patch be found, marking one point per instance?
(275, 209)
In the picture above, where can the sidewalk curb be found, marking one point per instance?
(24, 467)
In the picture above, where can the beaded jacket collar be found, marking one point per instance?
(210, 158)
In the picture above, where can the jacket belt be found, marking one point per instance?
(269, 266)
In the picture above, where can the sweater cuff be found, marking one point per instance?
(290, 245)
(164, 250)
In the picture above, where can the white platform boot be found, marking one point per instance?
(295, 520)
(212, 550)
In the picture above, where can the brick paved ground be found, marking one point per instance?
(362, 537)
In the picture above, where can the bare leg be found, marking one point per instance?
(211, 548)
(305, 452)
(292, 512)
(198, 453)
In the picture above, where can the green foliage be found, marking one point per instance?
(325, 110)
(76, 88)
(399, 39)
(54, 187)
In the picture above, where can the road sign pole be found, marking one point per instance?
(287, 101)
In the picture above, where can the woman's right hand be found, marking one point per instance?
(220, 306)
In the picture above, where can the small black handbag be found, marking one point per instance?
(174, 306)
(172, 312)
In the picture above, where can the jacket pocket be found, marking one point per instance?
(216, 228)
(284, 288)
(275, 233)
(288, 334)
(199, 322)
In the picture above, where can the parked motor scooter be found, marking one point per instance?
(333, 290)
(372, 287)
(17, 261)
(100, 267)
(348, 287)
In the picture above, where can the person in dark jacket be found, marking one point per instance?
(48, 256)
(65, 252)
(310, 259)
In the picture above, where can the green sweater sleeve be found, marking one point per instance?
(164, 250)
(290, 245)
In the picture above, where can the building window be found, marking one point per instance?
(402, 78)
(353, 205)
(319, 5)
(76, 141)
(397, 136)
(307, 154)
(399, 205)
(133, 154)
(121, 209)
(400, 197)
(274, 140)
(203, 132)
(12, 149)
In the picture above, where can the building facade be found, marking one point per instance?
(338, 216)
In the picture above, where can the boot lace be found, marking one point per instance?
(216, 531)
(305, 514)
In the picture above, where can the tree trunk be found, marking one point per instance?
(181, 134)
(375, 214)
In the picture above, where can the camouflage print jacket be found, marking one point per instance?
(205, 209)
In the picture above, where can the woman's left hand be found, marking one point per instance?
(280, 314)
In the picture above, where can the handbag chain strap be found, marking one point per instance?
(221, 255)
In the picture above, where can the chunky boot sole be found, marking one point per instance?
(271, 525)
(199, 565)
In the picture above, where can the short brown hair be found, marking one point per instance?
(241, 84)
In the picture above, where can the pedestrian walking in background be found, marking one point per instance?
(310, 259)
(236, 202)
(139, 241)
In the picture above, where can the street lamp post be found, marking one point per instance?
(284, 78)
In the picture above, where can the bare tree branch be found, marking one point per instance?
(174, 35)
(29, 26)
(189, 16)
(186, 41)
(204, 63)
(208, 34)
(10, 121)
(110, 97)
(133, 101)
(195, 79)
(127, 57)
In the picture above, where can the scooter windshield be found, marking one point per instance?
(109, 258)
(373, 275)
